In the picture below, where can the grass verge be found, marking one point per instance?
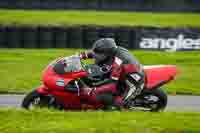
(40, 121)
(21, 69)
(66, 18)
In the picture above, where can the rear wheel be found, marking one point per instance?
(152, 100)
(36, 100)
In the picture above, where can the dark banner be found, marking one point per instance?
(168, 39)
(146, 38)
(110, 5)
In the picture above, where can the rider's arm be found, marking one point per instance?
(86, 55)
(116, 69)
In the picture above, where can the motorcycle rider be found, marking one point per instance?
(125, 70)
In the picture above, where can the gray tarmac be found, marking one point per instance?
(175, 103)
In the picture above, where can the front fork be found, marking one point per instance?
(49, 98)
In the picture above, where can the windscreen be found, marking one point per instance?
(73, 64)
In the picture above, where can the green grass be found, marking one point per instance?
(21, 69)
(60, 18)
(45, 121)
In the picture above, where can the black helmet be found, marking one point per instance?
(105, 45)
(103, 49)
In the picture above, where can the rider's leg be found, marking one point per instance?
(134, 81)
(105, 94)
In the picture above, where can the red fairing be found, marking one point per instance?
(50, 77)
(62, 97)
(158, 75)
(69, 100)
(42, 89)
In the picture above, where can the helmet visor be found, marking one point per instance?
(99, 57)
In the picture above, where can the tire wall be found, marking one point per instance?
(148, 38)
(121, 5)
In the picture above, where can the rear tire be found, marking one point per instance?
(151, 100)
(162, 99)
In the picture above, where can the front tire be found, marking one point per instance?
(35, 100)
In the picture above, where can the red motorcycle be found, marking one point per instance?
(152, 98)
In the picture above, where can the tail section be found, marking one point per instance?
(158, 75)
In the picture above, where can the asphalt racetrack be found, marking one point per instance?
(175, 103)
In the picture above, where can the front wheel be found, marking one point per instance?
(152, 100)
(36, 100)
